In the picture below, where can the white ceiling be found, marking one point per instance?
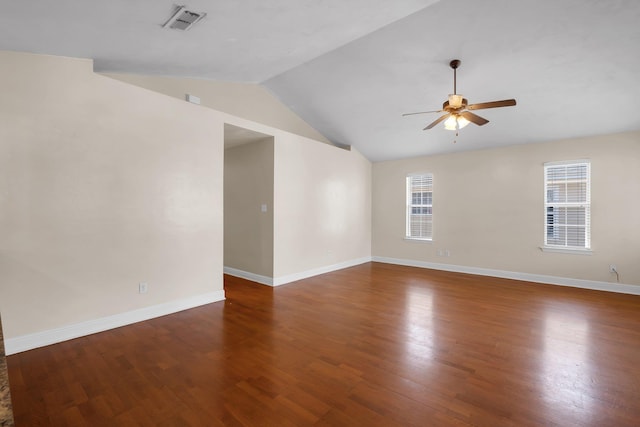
(350, 68)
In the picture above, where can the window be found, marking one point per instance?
(567, 205)
(419, 207)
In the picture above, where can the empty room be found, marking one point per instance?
(320, 213)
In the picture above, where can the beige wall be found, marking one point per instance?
(488, 208)
(248, 184)
(322, 206)
(102, 185)
(246, 100)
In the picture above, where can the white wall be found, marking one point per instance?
(249, 101)
(102, 185)
(248, 184)
(322, 207)
(488, 209)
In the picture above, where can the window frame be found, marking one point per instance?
(410, 206)
(586, 204)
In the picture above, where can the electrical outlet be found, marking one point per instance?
(143, 287)
(613, 268)
(447, 252)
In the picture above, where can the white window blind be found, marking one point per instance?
(420, 207)
(567, 205)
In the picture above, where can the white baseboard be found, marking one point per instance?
(528, 277)
(64, 333)
(53, 336)
(264, 280)
(316, 271)
(282, 280)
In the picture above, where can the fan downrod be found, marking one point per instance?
(454, 64)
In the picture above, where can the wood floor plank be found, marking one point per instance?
(372, 345)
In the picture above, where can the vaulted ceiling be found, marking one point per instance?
(350, 68)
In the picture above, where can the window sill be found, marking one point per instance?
(418, 239)
(574, 251)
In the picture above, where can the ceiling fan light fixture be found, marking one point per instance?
(457, 110)
(455, 122)
(450, 123)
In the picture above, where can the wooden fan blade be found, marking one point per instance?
(422, 112)
(474, 118)
(494, 104)
(436, 121)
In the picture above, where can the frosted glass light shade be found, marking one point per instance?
(455, 100)
(450, 123)
(462, 122)
(455, 122)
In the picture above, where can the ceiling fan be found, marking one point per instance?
(456, 108)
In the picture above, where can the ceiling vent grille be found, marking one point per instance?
(183, 19)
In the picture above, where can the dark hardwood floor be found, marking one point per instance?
(372, 345)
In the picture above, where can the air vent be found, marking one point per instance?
(183, 19)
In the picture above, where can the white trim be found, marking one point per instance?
(317, 271)
(566, 250)
(586, 205)
(282, 280)
(263, 280)
(68, 332)
(427, 176)
(528, 277)
(566, 162)
(419, 239)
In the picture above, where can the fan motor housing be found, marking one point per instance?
(446, 107)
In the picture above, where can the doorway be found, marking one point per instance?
(248, 203)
